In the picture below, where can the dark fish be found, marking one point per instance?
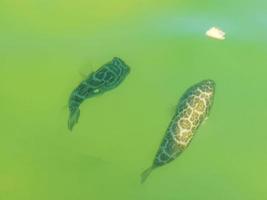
(193, 108)
(107, 77)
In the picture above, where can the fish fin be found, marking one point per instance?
(85, 71)
(146, 173)
(205, 119)
(73, 118)
(173, 109)
(83, 75)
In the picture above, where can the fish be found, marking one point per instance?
(193, 108)
(106, 78)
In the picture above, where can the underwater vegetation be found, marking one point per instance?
(106, 78)
(193, 108)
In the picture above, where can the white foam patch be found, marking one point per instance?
(215, 33)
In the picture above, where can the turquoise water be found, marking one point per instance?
(47, 45)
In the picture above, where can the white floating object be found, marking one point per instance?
(215, 33)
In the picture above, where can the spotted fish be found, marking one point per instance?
(107, 77)
(193, 108)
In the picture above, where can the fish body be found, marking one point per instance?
(193, 108)
(107, 77)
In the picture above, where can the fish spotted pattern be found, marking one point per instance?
(193, 108)
(104, 79)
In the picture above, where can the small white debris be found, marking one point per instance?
(215, 33)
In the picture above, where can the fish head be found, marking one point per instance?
(209, 85)
(119, 62)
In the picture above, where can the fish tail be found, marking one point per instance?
(74, 117)
(146, 173)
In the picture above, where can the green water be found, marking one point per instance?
(46, 45)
